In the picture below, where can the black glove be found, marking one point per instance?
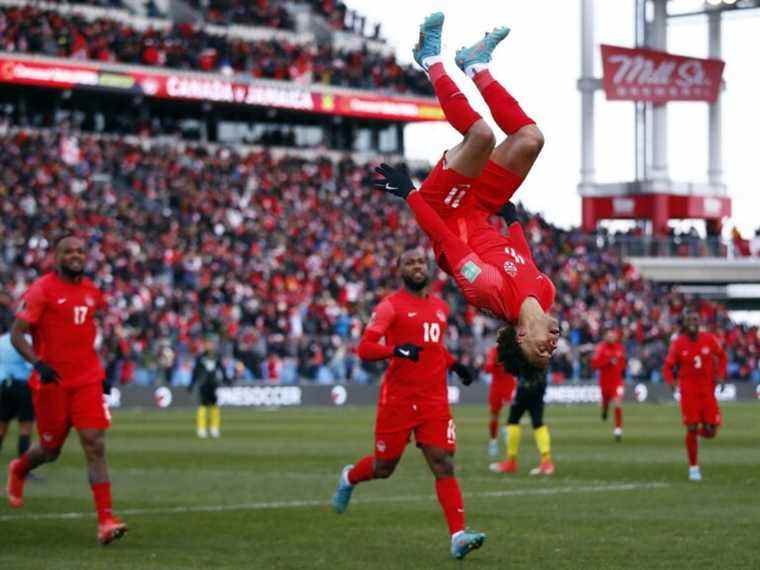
(509, 213)
(465, 373)
(393, 180)
(47, 373)
(409, 351)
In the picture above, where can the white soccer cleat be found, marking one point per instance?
(202, 433)
(215, 433)
(694, 473)
(618, 434)
(493, 448)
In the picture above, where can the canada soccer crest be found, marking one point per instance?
(441, 316)
(510, 268)
(89, 301)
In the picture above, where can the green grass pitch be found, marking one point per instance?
(258, 497)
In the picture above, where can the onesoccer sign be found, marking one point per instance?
(636, 74)
(338, 396)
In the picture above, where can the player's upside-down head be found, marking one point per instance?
(525, 350)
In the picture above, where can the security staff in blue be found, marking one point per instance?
(15, 396)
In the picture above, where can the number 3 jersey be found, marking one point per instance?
(63, 328)
(404, 318)
(695, 360)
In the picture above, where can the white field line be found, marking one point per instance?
(257, 506)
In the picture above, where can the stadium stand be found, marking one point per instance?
(32, 30)
(267, 13)
(284, 257)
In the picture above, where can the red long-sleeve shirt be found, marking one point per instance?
(500, 377)
(696, 361)
(609, 360)
(404, 318)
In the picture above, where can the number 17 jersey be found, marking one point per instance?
(406, 318)
(61, 315)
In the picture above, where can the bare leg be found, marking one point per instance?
(94, 446)
(520, 150)
(469, 157)
(384, 468)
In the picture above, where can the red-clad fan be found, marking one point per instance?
(500, 393)
(472, 183)
(610, 360)
(58, 310)
(414, 395)
(700, 362)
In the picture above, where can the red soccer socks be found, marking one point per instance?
(450, 498)
(363, 470)
(455, 105)
(505, 109)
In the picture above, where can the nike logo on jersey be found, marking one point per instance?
(61, 301)
(403, 352)
(412, 314)
(389, 187)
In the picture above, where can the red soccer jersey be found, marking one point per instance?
(609, 360)
(510, 256)
(500, 377)
(406, 318)
(63, 328)
(695, 360)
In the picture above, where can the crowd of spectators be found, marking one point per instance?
(283, 261)
(266, 13)
(97, 3)
(32, 30)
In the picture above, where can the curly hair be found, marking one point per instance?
(513, 359)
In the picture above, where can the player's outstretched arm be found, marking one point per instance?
(393, 181)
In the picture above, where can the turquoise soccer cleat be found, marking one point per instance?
(342, 495)
(493, 448)
(466, 542)
(481, 51)
(429, 43)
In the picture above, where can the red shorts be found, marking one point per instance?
(500, 394)
(58, 409)
(396, 423)
(450, 193)
(700, 408)
(612, 390)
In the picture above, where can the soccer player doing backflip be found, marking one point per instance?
(414, 395)
(472, 182)
(694, 354)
